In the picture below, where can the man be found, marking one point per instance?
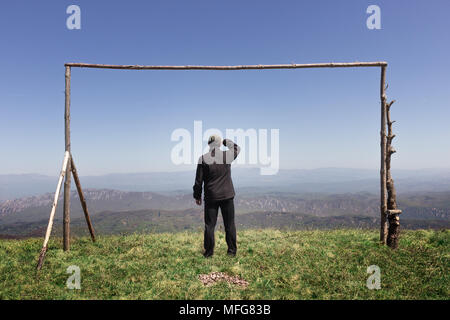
(214, 171)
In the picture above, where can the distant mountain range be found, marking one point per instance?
(115, 211)
(320, 198)
(325, 180)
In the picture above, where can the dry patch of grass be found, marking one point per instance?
(213, 277)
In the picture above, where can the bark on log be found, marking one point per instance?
(66, 218)
(238, 67)
(66, 210)
(392, 211)
(82, 199)
(394, 231)
(52, 212)
(383, 188)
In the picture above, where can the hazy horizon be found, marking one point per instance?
(299, 180)
(234, 167)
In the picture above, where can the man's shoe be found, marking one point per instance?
(207, 255)
(231, 254)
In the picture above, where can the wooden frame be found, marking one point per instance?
(384, 173)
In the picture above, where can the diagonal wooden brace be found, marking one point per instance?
(82, 199)
(52, 212)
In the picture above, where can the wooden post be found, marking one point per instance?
(52, 212)
(82, 199)
(383, 191)
(66, 218)
(392, 211)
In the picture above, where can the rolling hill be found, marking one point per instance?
(114, 211)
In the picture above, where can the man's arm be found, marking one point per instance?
(198, 181)
(233, 150)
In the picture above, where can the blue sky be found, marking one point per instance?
(122, 120)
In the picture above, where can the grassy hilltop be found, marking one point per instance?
(276, 264)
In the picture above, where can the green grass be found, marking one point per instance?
(277, 265)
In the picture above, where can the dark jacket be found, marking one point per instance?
(214, 170)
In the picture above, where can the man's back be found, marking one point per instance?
(214, 170)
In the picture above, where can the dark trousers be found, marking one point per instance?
(211, 212)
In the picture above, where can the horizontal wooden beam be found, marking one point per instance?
(239, 67)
